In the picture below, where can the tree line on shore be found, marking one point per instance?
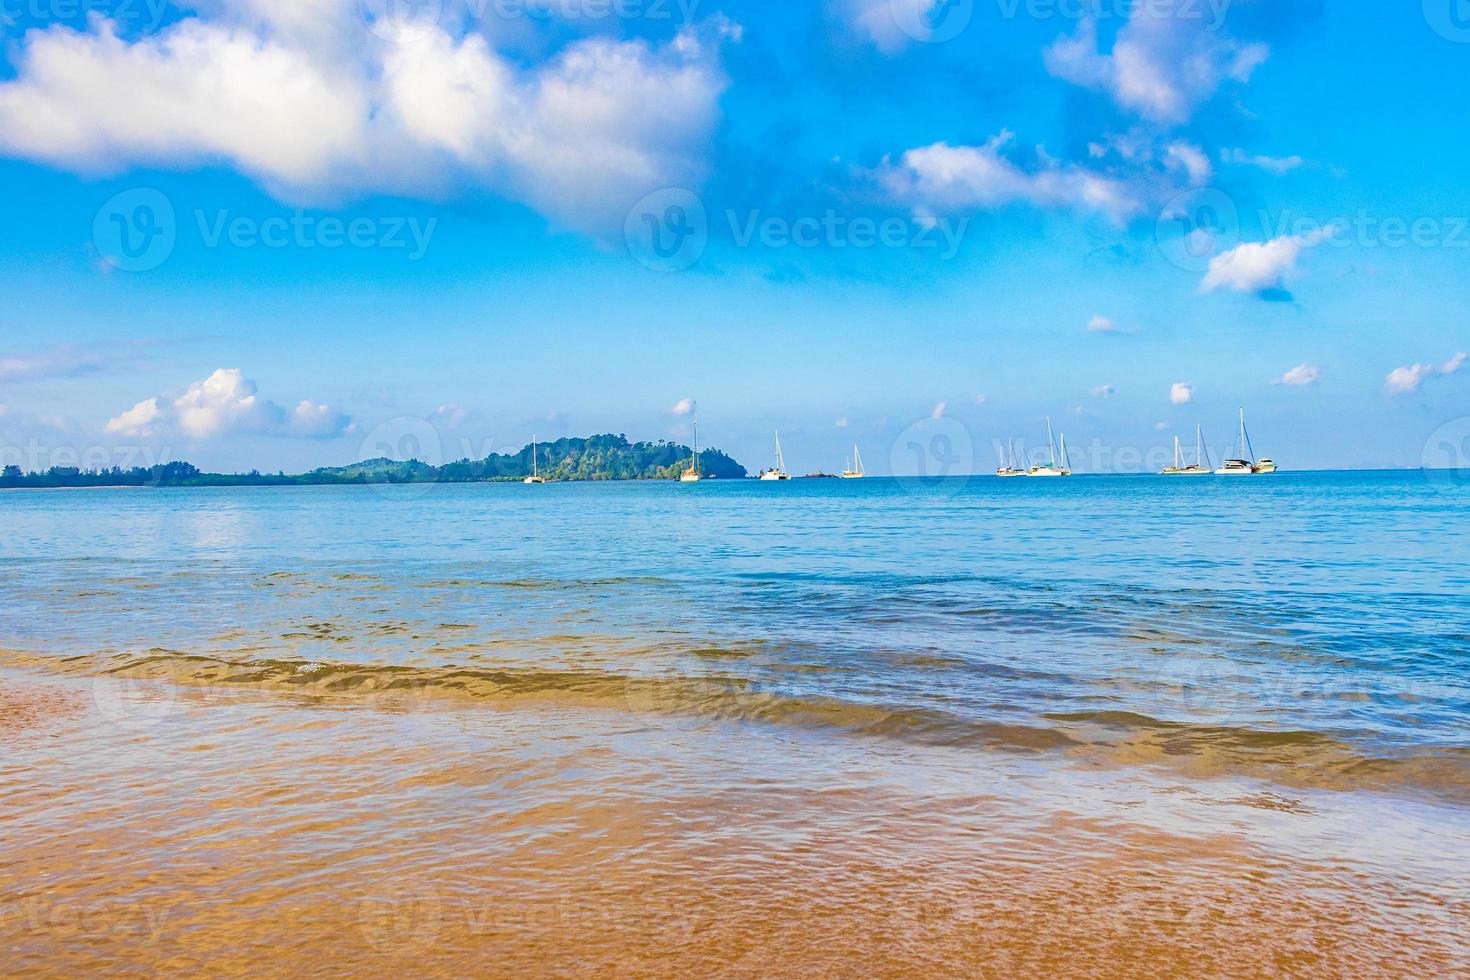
(600, 457)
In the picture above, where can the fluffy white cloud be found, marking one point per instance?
(1181, 393)
(841, 422)
(453, 416)
(1274, 165)
(1166, 61)
(683, 406)
(891, 25)
(1406, 380)
(1259, 267)
(1300, 376)
(1102, 324)
(941, 178)
(281, 96)
(223, 403)
(1104, 391)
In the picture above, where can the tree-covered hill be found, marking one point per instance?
(602, 457)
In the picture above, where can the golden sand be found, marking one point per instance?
(152, 830)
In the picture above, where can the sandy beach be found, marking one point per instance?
(154, 829)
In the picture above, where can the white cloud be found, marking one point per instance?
(938, 412)
(1104, 391)
(579, 137)
(1160, 426)
(1193, 161)
(1166, 61)
(1181, 393)
(1406, 380)
(1102, 324)
(138, 421)
(1258, 267)
(67, 361)
(892, 25)
(1300, 376)
(841, 422)
(683, 406)
(453, 415)
(941, 177)
(224, 403)
(1274, 165)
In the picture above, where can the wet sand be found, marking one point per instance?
(151, 829)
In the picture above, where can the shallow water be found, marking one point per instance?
(861, 725)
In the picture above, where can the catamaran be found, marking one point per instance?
(692, 474)
(779, 473)
(854, 469)
(1052, 469)
(1201, 457)
(1244, 463)
(1008, 465)
(535, 476)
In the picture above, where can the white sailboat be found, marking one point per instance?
(535, 476)
(1198, 467)
(692, 474)
(779, 473)
(854, 469)
(1052, 469)
(1008, 465)
(1244, 461)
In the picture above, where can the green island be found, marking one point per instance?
(600, 457)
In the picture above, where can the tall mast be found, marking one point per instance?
(694, 453)
(780, 463)
(1066, 464)
(1051, 444)
(1176, 453)
(1245, 439)
(533, 454)
(1199, 441)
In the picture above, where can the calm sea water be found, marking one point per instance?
(1311, 628)
(1084, 727)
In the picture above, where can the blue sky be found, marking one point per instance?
(253, 233)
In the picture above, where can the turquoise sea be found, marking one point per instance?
(1309, 628)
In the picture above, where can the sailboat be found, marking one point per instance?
(535, 476)
(1008, 465)
(854, 469)
(692, 474)
(1244, 462)
(1052, 469)
(779, 473)
(1198, 467)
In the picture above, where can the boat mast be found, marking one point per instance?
(780, 463)
(1066, 464)
(533, 454)
(1245, 440)
(1199, 441)
(1051, 444)
(694, 453)
(1176, 453)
